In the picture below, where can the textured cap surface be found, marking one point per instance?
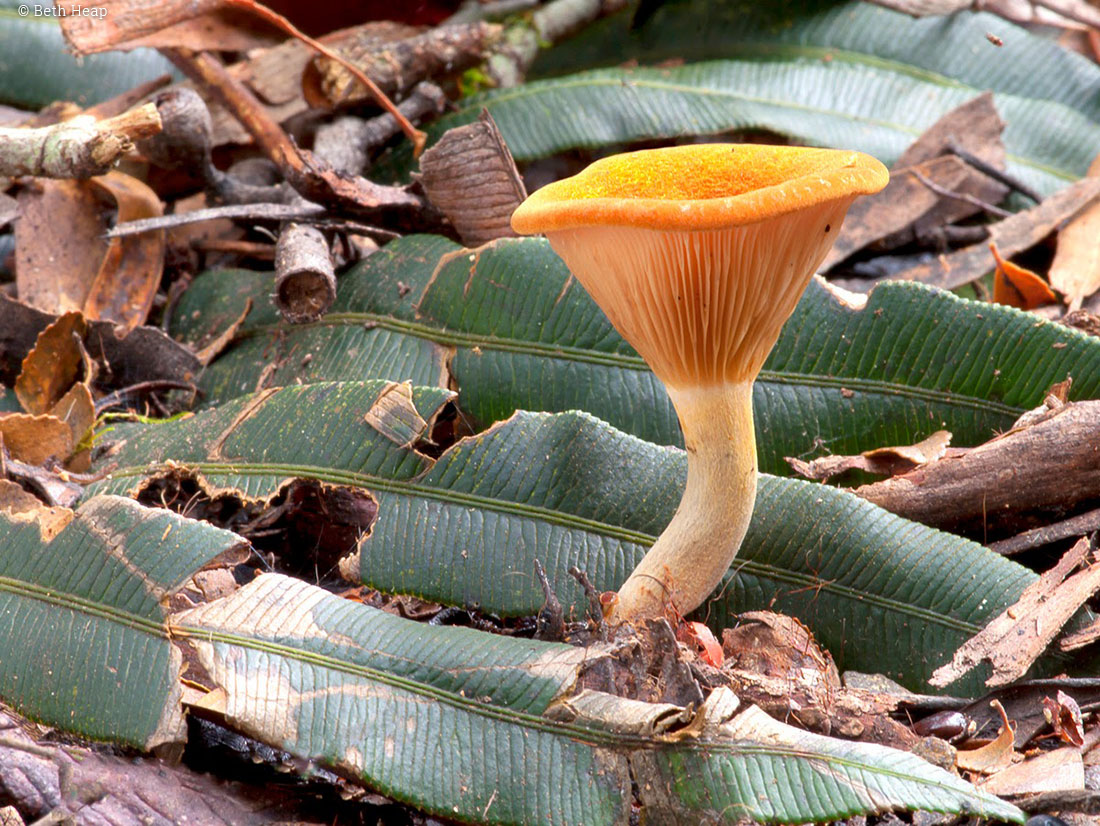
(701, 186)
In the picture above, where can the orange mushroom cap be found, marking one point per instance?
(699, 187)
(698, 254)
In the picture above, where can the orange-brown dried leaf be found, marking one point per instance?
(994, 755)
(130, 272)
(1075, 271)
(1018, 286)
(36, 439)
(53, 366)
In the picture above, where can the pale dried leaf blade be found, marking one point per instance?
(395, 416)
(36, 439)
(1013, 640)
(1053, 771)
(1075, 271)
(880, 460)
(470, 175)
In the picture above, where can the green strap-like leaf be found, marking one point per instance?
(521, 334)
(82, 638)
(37, 68)
(855, 77)
(884, 594)
(459, 723)
(252, 446)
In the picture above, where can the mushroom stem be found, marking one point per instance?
(690, 557)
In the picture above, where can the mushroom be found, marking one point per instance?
(698, 255)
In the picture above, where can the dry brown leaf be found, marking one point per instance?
(880, 460)
(1051, 771)
(25, 507)
(470, 175)
(1018, 286)
(58, 248)
(52, 367)
(907, 206)
(1014, 639)
(77, 409)
(1075, 271)
(994, 755)
(1012, 235)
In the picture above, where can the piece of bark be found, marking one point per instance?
(1014, 639)
(1012, 235)
(305, 279)
(470, 176)
(9, 208)
(397, 66)
(1075, 271)
(1054, 463)
(882, 460)
(78, 148)
(275, 76)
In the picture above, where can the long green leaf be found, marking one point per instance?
(882, 593)
(82, 639)
(37, 69)
(482, 729)
(518, 333)
(857, 76)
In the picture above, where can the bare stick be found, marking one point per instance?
(79, 148)
(958, 196)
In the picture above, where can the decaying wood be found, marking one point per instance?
(1054, 463)
(79, 148)
(1037, 537)
(445, 51)
(1012, 641)
(305, 279)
